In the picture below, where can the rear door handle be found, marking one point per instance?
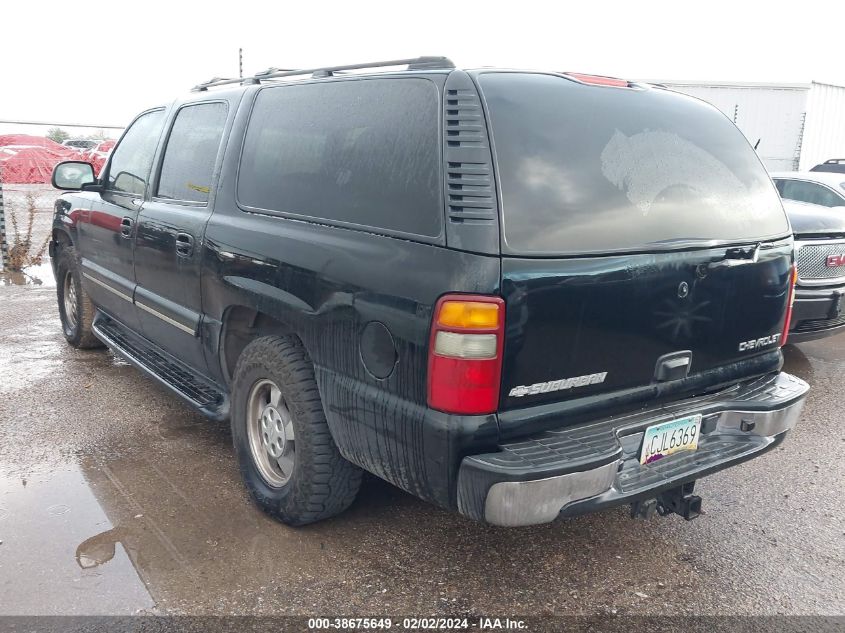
(126, 227)
(184, 245)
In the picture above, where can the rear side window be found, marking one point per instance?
(834, 166)
(361, 152)
(809, 192)
(191, 152)
(129, 169)
(586, 169)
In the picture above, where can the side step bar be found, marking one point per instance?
(194, 389)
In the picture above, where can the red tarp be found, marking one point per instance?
(32, 165)
(106, 146)
(98, 155)
(26, 159)
(97, 160)
(26, 140)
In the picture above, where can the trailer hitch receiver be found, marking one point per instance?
(680, 501)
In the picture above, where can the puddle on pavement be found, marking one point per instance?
(58, 509)
(126, 535)
(99, 549)
(47, 515)
(171, 527)
(40, 275)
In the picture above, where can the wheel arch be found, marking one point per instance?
(241, 325)
(61, 239)
(65, 221)
(61, 236)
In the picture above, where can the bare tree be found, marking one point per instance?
(99, 135)
(21, 252)
(57, 134)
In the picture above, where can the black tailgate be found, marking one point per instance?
(636, 223)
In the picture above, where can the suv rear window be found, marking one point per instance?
(586, 169)
(361, 152)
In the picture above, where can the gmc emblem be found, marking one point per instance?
(834, 261)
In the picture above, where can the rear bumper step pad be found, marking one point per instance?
(589, 467)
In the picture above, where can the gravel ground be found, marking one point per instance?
(145, 513)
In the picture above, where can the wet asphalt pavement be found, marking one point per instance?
(115, 498)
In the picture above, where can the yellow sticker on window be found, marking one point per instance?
(198, 188)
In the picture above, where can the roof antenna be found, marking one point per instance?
(241, 63)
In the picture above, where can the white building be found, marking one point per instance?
(798, 125)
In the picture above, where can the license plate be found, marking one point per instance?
(661, 440)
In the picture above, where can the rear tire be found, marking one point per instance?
(75, 308)
(286, 455)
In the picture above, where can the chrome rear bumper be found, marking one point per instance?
(590, 467)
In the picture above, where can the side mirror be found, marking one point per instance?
(73, 175)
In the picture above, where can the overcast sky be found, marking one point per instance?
(102, 62)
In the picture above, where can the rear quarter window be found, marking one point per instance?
(587, 169)
(356, 152)
(191, 152)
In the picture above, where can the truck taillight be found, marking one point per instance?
(790, 300)
(465, 354)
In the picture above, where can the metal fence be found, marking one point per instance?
(4, 243)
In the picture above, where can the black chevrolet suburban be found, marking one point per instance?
(518, 295)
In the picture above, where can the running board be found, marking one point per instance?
(194, 389)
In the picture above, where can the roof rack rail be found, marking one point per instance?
(272, 70)
(214, 81)
(415, 63)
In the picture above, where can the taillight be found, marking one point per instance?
(465, 354)
(790, 299)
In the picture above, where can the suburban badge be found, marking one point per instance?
(557, 385)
